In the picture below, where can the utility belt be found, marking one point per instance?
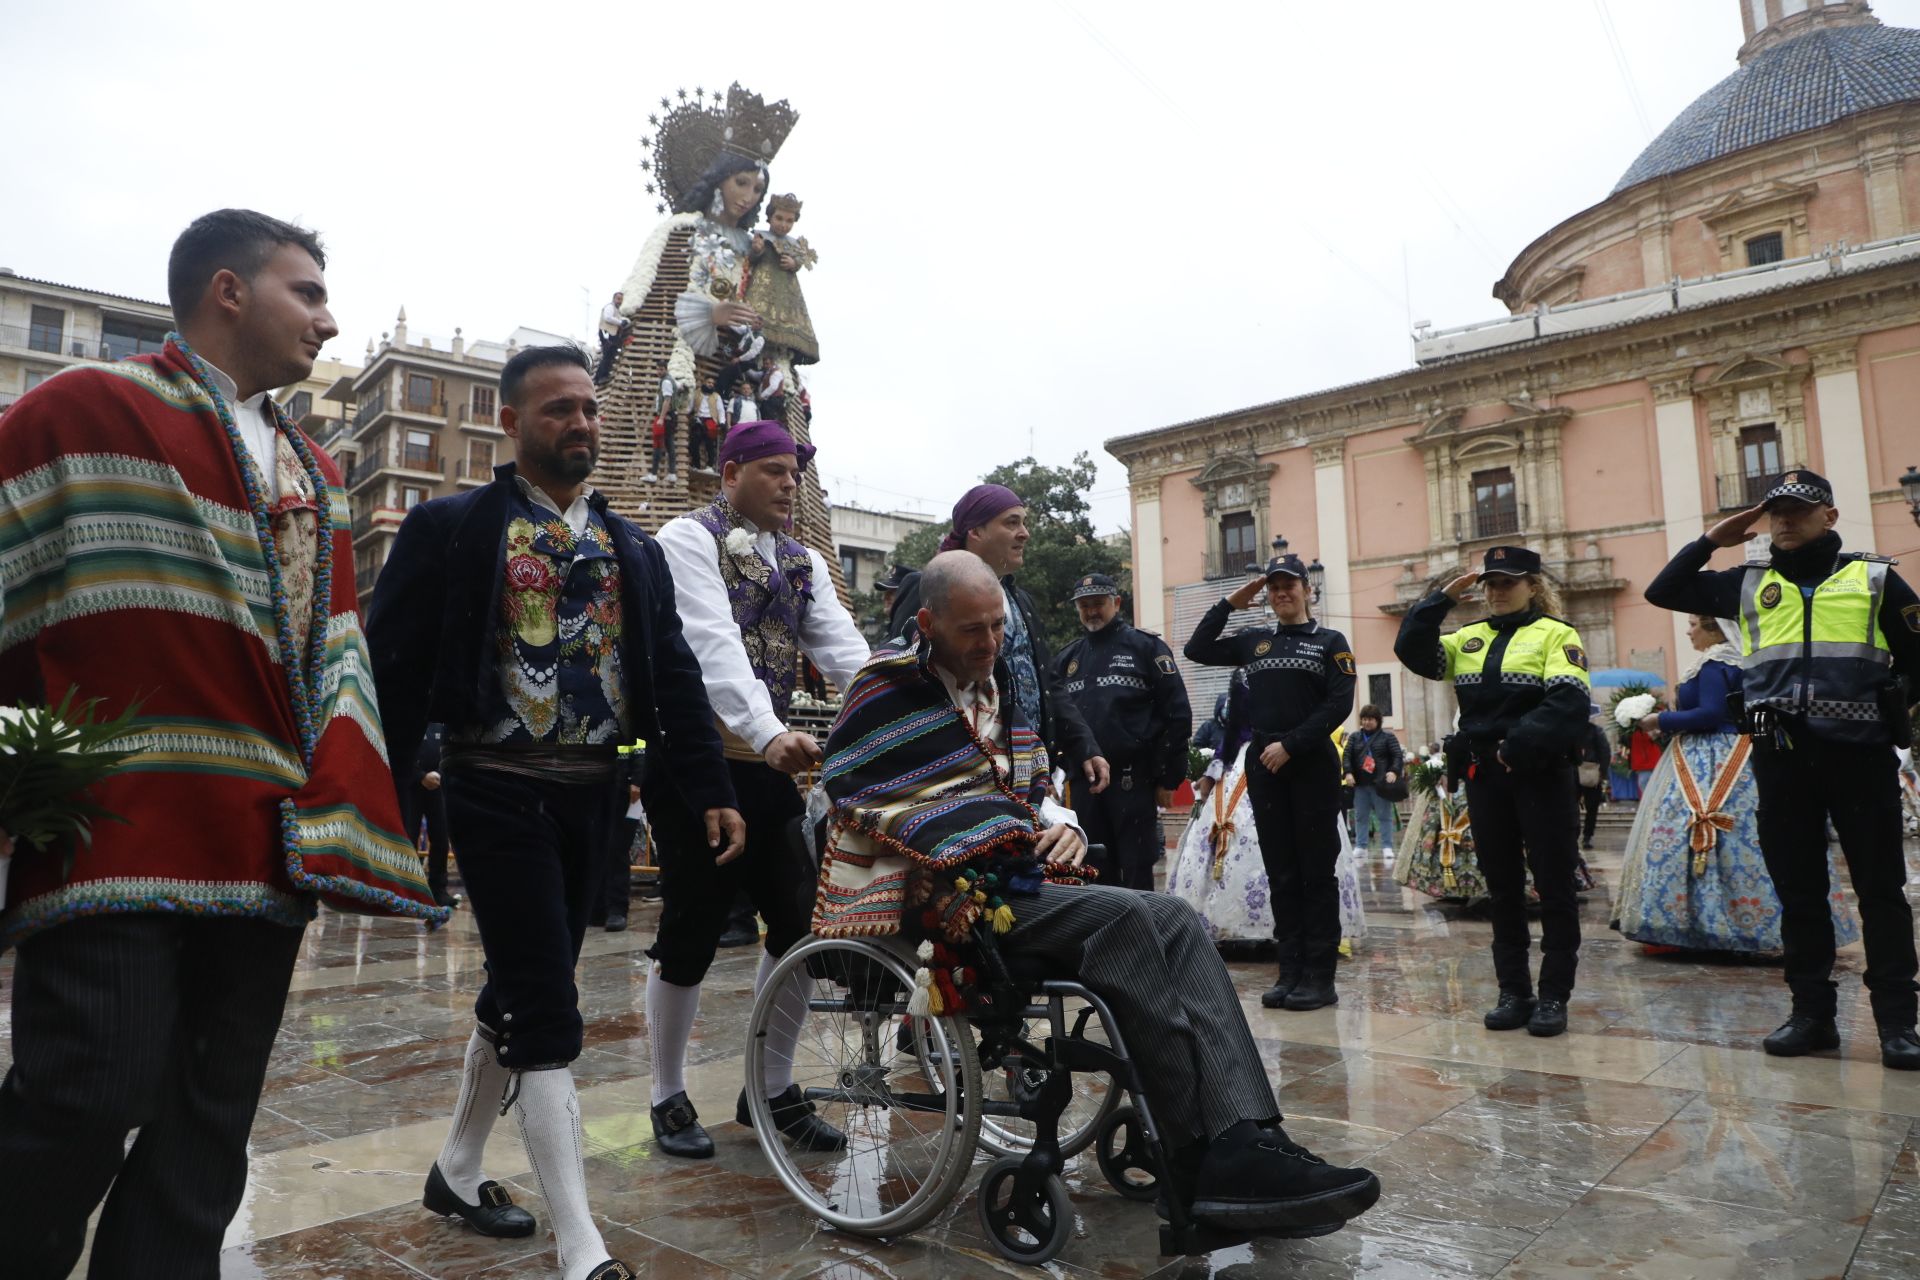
(1775, 728)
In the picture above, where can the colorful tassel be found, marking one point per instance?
(1002, 918)
(920, 1003)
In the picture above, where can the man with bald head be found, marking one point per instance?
(960, 797)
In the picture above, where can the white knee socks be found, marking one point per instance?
(483, 1083)
(670, 1013)
(549, 1114)
(784, 1021)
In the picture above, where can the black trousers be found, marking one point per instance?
(1297, 815)
(1858, 788)
(432, 807)
(1525, 821)
(701, 447)
(1591, 798)
(1125, 819)
(152, 1022)
(613, 895)
(696, 895)
(530, 853)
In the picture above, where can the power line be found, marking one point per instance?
(1626, 70)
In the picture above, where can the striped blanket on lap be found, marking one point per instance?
(140, 562)
(919, 804)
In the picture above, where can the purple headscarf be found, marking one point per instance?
(976, 507)
(751, 441)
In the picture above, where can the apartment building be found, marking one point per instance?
(46, 327)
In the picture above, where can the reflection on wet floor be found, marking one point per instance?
(1653, 1140)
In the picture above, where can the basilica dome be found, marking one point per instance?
(1807, 82)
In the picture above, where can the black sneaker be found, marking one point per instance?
(1254, 1178)
(1802, 1033)
(1513, 1012)
(1899, 1049)
(1549, 1018)
(1275, 996)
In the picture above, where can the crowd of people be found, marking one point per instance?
(524, 636)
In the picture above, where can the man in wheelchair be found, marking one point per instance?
(941, 826)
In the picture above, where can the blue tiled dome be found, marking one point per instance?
(1804, 83)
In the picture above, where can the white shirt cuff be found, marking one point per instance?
(1054, 813)
(765, 729)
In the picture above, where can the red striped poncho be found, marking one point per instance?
(136, 565)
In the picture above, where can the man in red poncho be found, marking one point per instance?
(167, 536)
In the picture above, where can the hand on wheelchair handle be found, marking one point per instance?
(1062, 845)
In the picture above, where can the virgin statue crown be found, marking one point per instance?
(692, 135)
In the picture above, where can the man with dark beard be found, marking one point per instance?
(538, 626)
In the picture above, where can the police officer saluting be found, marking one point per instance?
(1829, 639)
(1521, 680)
(1126, 686)
(1300, 680)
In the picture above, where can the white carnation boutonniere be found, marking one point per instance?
(739, 542)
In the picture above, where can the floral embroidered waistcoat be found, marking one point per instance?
(559, 636)
(769, 601)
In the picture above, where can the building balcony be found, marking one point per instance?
(375, 520)
(64, 347)
(410, 464)
(7, 399)
(1593, 573)
(472, 475)
(1740, 491)
(485, 421)
(1497, 523)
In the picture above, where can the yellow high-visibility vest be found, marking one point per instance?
(1818, 653)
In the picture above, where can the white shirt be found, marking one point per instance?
(576, 513)
(979, 702)
(827, 632)
(257, 430)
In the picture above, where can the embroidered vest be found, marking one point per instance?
(769, 602)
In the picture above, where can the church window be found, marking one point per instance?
(1496, 503)
(1764, 249)
(1237, 540)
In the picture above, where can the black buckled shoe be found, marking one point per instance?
(495, 1215)
(1802, 1033)
(1549, 1018)
(613, 1269)
(793, 1116)
(1513, 1012)
(1314, 991)
(1253, 1178)
(677, 1131)
(1275, 996)
(1899, 1049)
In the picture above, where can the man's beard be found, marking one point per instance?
(561, 464)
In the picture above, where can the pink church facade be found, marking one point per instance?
(1745, 301)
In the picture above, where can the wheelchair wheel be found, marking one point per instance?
(1023, 1225)
(1095, 1095)
(1121, 1149)
(910, 1139)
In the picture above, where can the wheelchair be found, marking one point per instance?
(913, 1095)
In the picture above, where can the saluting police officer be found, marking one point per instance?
(1521, 680)
(1830, 641)
(1125, 683)
(1300, 682)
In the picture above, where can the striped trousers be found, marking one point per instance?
(152, 1022)
(1148, 956)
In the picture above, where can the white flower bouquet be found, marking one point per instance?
(49, 759)
(1632, 709)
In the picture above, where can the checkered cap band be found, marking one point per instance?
(1805, 492)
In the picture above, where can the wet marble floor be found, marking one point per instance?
(1654, 1140)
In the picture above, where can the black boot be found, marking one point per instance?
(1254, 1178)
(1549, 1018)
(793, 1116)
(1802, 1033)
(1314, 991)
(495, 1215)
(1899, 1049)
(1275, 996)
(1512, 1013)
(677, 1129)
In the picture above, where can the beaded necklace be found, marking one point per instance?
(303, 677)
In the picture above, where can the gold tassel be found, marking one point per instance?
(1002, 918)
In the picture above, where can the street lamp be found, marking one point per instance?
(1910, 485)
(1316, 579)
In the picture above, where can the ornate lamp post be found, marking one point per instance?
(1910, 485)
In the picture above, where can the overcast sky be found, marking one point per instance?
(1051, 220)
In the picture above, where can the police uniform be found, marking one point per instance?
(1126, 685)
(1300, 689)
(1521, 681)
(1828, 640)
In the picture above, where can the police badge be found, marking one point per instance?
(1770, 595)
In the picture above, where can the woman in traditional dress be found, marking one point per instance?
(1692, 876)
(1439, 861)
(1218, 869)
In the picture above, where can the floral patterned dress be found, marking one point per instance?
(1219, 872)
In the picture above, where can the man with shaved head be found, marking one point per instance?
(937, 782)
